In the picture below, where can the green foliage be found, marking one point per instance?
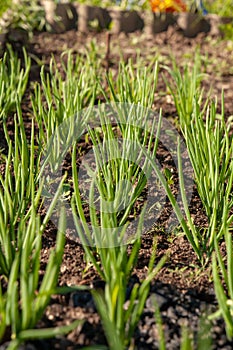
(123, 4)
(134, 83)
(227, 30)
(78, 84)
(17, 189)
(28, 15)
(24, 287)
(210, 147)
(188, 227)
(4, 5)
(105, 233)
(64, 97)
(223, 275)
(103, 3)
(13, 81)
(23, 302)
(184, 87)
(134, 5)
(113, 263)
(119, 321)
(221, 8)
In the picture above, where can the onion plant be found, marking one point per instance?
(184, 86)
(202, 341)
(195, 235)
(210, 148)
(223, 281)
(23, 296)
(24, 301)
(191, 231)
(120, 316)
(211, 151)
(119, 164)
(62, 95)
(17, 189)
(114, 266)
(13, 81)
(133, 84)
(122, 170)
(110, 202)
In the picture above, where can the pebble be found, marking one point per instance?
(156, 298)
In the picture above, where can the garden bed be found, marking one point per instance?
(183, 291)
(65, 16)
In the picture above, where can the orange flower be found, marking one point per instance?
(168, 6)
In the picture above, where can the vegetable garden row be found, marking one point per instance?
(78, 102)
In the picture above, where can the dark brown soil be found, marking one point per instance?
(182, 289)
